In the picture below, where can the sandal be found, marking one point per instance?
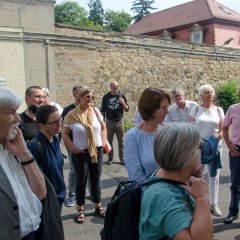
(100, 211)
(80, 217)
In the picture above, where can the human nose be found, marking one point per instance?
(17, 118)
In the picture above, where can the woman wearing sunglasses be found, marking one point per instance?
(89, 135)
(45, 147)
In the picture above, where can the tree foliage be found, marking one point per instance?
(117, 21)
(71, 13)
(227, 94)
(96, 13)
(142, 8)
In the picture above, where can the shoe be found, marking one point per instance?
(80, 217)
(230, 218)
(69, 202)
(109, 162)
(100, 212)
(215, 210)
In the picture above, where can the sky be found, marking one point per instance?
(118, 5)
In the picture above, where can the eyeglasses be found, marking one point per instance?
(55, 123)
(115, 86)
(90, 97)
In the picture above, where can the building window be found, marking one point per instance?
(197, 37)
(196, 34)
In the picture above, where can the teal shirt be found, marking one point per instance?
(165, 211)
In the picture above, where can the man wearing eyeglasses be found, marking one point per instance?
(34, 98)
(114, 104)
(45, 147)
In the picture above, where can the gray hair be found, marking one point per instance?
(205, 88)
(175, 145)
(9, 98)
(28, 91)
(177, 89)
(46, 91)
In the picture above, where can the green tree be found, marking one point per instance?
(96, 13)
(71, 13)
(117, 21)
(142, 8)
(227, 94)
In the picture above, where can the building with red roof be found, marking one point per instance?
(198, 21)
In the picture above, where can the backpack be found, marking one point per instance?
(123, 211)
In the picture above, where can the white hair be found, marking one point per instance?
(205, 88)
(9, 98)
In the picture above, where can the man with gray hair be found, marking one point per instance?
(179, 111)
(22, 185)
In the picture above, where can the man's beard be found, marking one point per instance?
(33, 108)
(12, 133)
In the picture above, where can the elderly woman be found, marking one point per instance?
(208, 119)
(178, 211)
(138, 143)
(89, 135)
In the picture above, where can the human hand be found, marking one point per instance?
(197, 187)
(18, 147)
(233, 149)
(77, 150)
(121, 100)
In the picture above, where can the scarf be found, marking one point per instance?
(77, 116)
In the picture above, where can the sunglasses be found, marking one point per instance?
(55, 123)
(90, 97)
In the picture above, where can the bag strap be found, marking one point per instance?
(153, 181)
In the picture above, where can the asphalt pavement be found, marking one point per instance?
(111, 176)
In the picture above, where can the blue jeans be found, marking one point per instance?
(83, 166)
(234, 163)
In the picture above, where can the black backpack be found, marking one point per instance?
(123, 211)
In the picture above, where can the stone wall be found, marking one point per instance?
(95, 58)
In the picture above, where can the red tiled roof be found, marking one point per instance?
(187, 13)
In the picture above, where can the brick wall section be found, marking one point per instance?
(96, 58)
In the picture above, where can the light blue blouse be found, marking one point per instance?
(138, 154)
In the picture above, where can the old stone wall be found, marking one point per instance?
(96, 58)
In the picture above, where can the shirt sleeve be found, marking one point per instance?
(193, 112)
(228, 118)
(99, 115)
(104, 104)
(35, 149)
(132, 158)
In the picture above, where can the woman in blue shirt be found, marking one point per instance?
(45, 147)
(138, 143)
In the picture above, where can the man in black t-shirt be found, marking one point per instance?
(114, 103)
(34, 98)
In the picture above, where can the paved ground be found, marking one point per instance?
(111, 175)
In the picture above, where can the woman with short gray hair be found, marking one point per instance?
(178, 211)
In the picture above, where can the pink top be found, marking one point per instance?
(232, 118)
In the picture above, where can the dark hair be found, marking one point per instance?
(43, 113)
(150, 101)
(28, 91)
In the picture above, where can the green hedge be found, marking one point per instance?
(227, 94)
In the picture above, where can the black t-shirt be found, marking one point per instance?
(67, 109)
(28, 126)
(112, 109)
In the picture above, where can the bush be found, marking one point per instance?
(127, 125)
(227, 94)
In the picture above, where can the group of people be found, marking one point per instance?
(32, 161)
(175, 142)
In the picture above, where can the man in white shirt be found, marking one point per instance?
(22, 185)
(179, 111)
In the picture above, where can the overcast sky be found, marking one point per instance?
(126, 5)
